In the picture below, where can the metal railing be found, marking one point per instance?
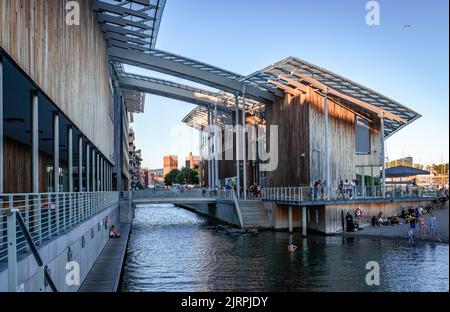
(301, 194)
(231, 195)
(14, 218)
(48, 215)
(173, 192)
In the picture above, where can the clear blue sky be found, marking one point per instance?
(408, 64)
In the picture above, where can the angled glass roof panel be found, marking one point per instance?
(292, 64)
(134, 22)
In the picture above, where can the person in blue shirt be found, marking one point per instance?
(433, 225)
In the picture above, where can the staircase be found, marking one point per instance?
(125, 215)
(254, 215)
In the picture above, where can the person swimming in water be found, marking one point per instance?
(292, 247)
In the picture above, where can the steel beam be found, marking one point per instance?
(99, 6)
(189, 69)
(171, 90)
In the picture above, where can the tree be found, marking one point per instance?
(189, 176)
(172, 177)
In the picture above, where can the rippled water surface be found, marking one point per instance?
(172, 249)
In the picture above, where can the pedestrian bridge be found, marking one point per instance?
(175, 196)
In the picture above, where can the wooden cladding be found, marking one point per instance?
(301, 141)
(69, 63)
(291, 115)
(17, 167)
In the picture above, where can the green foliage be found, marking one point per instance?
(440, 168)
(185, 176)
(172, 177)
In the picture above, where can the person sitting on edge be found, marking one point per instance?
(382, 221)
(374, 221)
(114, 233)
(292, 247)
(403, 214)
(394, 220)
(356, 227)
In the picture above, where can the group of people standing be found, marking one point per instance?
(417, 216)
(347, 189)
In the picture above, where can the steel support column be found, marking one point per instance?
(80, 164)
(88, 186)
(244, 145)
(94, 185)
(1, 125)
(70, 156)
(290, 219)
(383, 161)
(327, 146)
(34, 142)
(97, 174)
(216, 149)
(304, 221)
(209, 149)
(102, 168)
(55, 152)
(238, 171)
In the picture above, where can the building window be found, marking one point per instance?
(362, 136)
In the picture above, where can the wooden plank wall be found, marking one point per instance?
(17, 167)
(69, 63)
(301, 130)
(342, 133)
(291, 116)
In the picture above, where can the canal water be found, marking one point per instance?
(172, 249)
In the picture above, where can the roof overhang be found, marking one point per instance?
(198, 118)
(133, 24)
(348, 92)
(189, 69)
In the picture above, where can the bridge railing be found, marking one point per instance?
(173, 192)
(47, 215)
(300, 194)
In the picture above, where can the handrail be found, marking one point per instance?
(307, 194)
(33, 248)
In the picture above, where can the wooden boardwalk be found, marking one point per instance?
(105, 274)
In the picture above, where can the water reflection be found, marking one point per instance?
(172, 249)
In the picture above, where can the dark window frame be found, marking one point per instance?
(362, 136)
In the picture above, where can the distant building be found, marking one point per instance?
(157, 171)
(405, 161)
(135, 159)
(145, 177)
(192, 161)
(437, 178)
(170, 163)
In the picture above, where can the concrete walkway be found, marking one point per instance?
(105, 274)
(400, 231)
